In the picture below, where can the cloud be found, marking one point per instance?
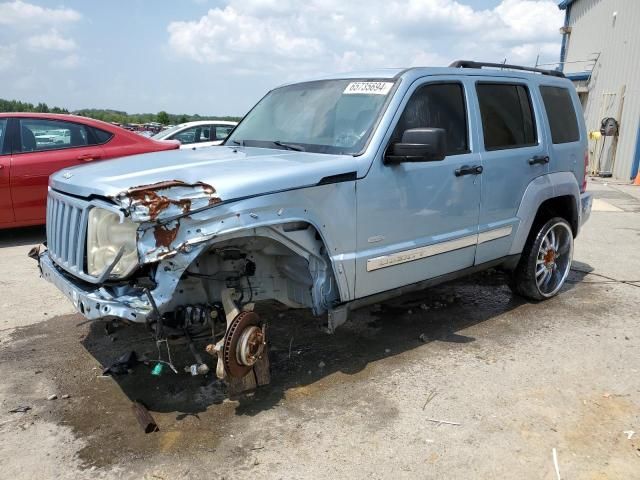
(7, 56)
(51, 40)
(335, 35)
(35, 32)
(23, 14)
(207, 40)
(68, 62)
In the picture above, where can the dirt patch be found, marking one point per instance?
(309, 369)
(194, 413)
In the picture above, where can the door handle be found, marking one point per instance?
(539, 159)
(468, 170)
(88, 157)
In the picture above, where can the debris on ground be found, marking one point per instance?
(65, 396)
(440, 422)
(423, 338)
(555, 463)
(146, 421)
(321, 364)
(21, 409)
(53, 396)
(629, 434)
(122, 366)
(430, 397)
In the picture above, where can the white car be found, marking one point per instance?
(203, 133)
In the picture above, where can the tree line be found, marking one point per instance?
(18, 106)
(108, 115)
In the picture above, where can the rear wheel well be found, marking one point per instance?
(563, 206)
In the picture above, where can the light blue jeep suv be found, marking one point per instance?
(330, 194)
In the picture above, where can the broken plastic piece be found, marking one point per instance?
(146, 421)
(20, 409)
(122, 366)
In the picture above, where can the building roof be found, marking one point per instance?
(564, 4)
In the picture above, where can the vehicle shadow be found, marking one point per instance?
(17, 237)
(301, 354)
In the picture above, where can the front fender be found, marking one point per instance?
(330, 209)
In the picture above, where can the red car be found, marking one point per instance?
(34, 145)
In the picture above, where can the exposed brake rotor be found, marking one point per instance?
(244, 343)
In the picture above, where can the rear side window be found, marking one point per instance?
(101, 136)
(38, 134)
(3, 134)
(223, 131)
(561, 114)
(197, 134)
(438, 105)
(507, 115)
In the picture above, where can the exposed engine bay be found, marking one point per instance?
(214, 299)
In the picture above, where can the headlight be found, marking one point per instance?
(105, 237)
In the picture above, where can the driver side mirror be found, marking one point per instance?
(418, 145)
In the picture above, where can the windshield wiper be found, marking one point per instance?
(289, 146)
(241, 142)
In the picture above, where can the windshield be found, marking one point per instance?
(329, 116)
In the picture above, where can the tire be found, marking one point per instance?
(545, 261)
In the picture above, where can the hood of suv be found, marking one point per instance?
(232, 172)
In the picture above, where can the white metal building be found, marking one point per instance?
(601, 54)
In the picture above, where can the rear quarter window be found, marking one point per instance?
(563, 122)
(101, 136)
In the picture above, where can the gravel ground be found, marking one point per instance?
(515, 379)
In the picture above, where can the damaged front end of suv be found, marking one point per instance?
(188, 242)
(176, 257)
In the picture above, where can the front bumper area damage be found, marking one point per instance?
(94, 302)
(240, 349)
(201, 271)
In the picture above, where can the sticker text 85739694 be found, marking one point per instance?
(368, 88)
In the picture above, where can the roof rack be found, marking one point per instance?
(472, 64)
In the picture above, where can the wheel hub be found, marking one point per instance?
(243, 345)
(250, 346)
(550, 258)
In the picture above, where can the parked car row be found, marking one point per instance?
(35, 145)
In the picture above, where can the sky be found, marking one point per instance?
(218, 57)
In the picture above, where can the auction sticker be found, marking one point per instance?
(368, 88)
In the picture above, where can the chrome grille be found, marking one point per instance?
(67, 231)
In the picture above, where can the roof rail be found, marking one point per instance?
(472, 64)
